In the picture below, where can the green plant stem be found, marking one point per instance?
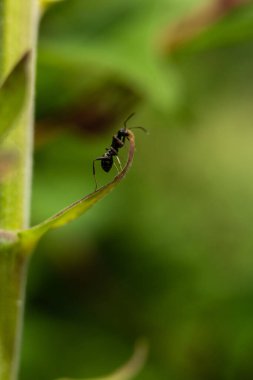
(19, 21)
(12, 282)
(15, 189)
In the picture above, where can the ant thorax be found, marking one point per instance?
(112, 151)
(117, 143)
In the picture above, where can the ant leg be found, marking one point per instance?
(116, 167)
(94, 173)
(117, 158)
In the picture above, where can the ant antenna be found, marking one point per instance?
(129, 117)
(142, 128)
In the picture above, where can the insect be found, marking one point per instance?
(118, 142)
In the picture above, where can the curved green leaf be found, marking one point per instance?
(13, 94)
(30, 236)
(131, 368)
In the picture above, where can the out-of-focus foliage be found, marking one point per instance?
(169, 255)
(130, 369)
(236, 27)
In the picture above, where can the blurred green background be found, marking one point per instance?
(169, 254)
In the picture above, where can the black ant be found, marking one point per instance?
(118, 142)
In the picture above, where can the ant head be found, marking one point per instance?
(122, 131)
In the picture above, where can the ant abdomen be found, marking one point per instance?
(106, 164)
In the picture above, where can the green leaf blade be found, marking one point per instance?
(31, 236)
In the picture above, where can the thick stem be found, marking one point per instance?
(12, 282)
(18, 32)
(19, 27)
